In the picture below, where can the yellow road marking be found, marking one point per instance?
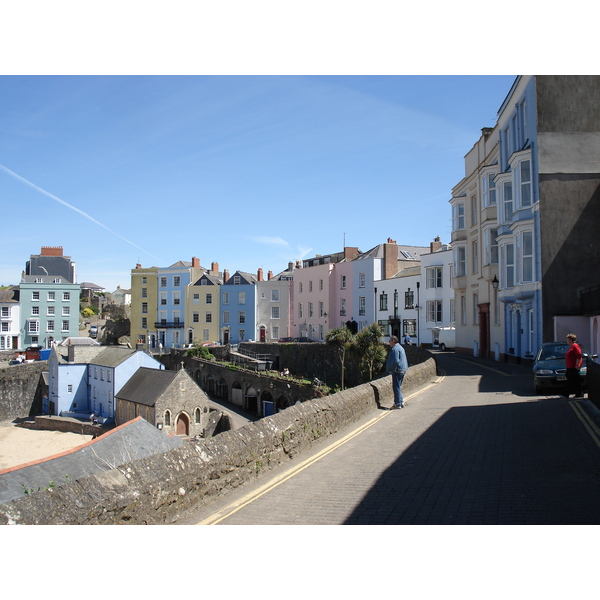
(277, 481)
(588, 423)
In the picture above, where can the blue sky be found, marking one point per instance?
(246, 171)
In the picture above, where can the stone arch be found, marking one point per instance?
(237, 394)
(167, 418)
(183, 424)
(197, 416)
(222, 389)
(251, 400)
(282, 402)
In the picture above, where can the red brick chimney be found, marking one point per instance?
(270, 275)
(138, 265)
(259, 275)
(435, 245)
(214, 268)
(225, 276)
(195, 262)
(350, 253)
(390, 259)
(52, 251)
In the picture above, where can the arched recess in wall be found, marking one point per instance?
(222, 389)
(237, 394)
(183, 424)
(251, 400)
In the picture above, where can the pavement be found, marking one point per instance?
(475, 447)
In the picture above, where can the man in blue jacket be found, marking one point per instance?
(397, 365)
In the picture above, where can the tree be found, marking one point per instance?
(371, 352)
(343, 339)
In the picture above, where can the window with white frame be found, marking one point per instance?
(208, 317)
(35, 310)
(33, 326)
(300, 310)
(66, 296)
(527, 256)
(209, 298)
(163, 282)
(491, 245)
(225, 316)
(343, 282)
(66, 311)
(275, 295)
(242, 316)
(35, 296)
(383, 301)
(241, 297)
(509, 265)
(300, 287)
(5, 312)
(275, 332)
(475, 256)
(310, 287)
(176, 298)
(321, 309)
(433, 277)
(51, 296)
(320, 285)
(409, 299)
(362, 306)
(176, 281)
(463, 310)
(489, 190)
(525, 183)
(50, 326)
(434, 311)
(361, 280)
(225, 297)
(144, 308)
(460, 261)
(237, 280)
(205, 335)
(452, 316)
(144, 292)
(65, 326)
(310, 309)
(274, 312)
(475, 309)
(342, 307)
(474, 209)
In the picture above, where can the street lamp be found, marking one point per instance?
(495, 282)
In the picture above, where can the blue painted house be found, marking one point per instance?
(238, 308)
(85, 379)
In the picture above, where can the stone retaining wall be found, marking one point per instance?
(159, 489)
(21, 390)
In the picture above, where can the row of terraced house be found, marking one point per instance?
(186, 304)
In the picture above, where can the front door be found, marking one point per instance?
(183, 425)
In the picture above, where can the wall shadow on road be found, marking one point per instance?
(513, 463)
(494, 377)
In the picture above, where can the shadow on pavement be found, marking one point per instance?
(513, 463)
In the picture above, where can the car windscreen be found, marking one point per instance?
(553, 352)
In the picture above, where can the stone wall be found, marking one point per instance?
(21, 390)
(159, 489)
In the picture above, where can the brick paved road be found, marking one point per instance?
(476, 448)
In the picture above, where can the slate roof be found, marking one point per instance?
(103, 356)
(9, 295)
(147, 385)
(131, 441)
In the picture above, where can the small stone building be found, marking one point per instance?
(169, 400)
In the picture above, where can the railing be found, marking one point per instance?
(169, 325)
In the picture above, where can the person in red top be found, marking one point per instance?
(574, 360)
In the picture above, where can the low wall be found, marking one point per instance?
(159, 489)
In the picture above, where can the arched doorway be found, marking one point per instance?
(183, 424)
(263, 333)
(252, 401)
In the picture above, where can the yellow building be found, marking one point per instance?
(202, 308)
(144, 302)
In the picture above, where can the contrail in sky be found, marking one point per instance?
(39, 189)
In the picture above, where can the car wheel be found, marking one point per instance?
(538, 390)
(443, 347)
